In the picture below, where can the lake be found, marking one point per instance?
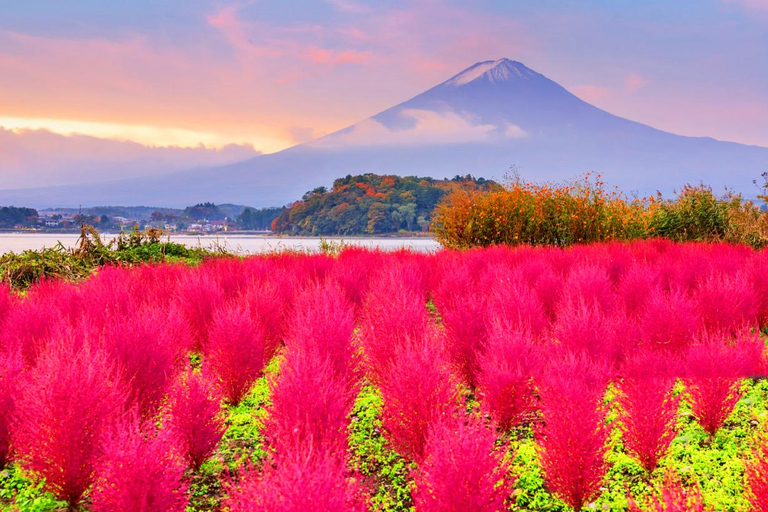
(242, 244)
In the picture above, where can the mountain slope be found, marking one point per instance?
(490, 116)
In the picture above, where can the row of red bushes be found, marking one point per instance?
(90, 370)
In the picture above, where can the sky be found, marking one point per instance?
(159, 83)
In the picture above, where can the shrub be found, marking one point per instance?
(140, 470)
(462, 469)
(310, 408)
(11, 365)
(726, 303)
(235, 350)
(269, 301)
(648, 406)
(323, 321)
(312, 482)
(394, 315)
(194, 414)
(673, 497)
(669, 321)
(714, 368)
(69, 399)
(515, 306)
(528, 213)
(505, 379)
(573, 437)
(418, 390)
(198, 297)
(150, 343)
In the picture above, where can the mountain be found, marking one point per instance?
(491, 116)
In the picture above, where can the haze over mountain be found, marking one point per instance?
(490, 116)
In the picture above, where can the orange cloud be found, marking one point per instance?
(633, 82)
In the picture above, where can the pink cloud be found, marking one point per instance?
(591, 93)
(755, 5)
(324, 56)
(633, 82)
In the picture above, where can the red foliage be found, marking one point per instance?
(726, 303)
(648, 408)
(395, 314)
(7, 301)
(589, 285)
(418, 390)
(150, 344)
(323, 320)
(515, 306)
(199, 294)
(312, 482)
(67, 402)
(714, 368)
(574, 435)
(140, 470)
(636, 286)
(235, 350)
(311, 404)
(505, 377)
(669, 320)
(194, 414)
(11, 366)
(462, 469)
(673, 497)
(270, 300)
(757, 473)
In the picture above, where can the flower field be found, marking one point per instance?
(616, 376)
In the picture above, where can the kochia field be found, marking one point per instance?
(599, 377)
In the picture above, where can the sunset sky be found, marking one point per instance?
(244, 76)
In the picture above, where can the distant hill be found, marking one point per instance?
(490, 116)
(371, 204)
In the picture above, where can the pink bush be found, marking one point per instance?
(140, 470)
(235, 350)
(7, 301)
(714, 368)
(726, 303)
(312, 482)
(198, 297)
(269, 301)
(394, 315)
(150, 344)
(574, 435)
(669, 321)
(194, 414)
(636, 286)
(68, 400)
(507, 368)
(310, 408)
(513, 305)
(462, 469)
(648, 408)
(589, 285)
(418, 390)
(11, 366)
(323, 321)
(673, 497)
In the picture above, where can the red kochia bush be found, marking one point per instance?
(198, 296)
(573, 436)
(323, 320)
(669, 321)
(140, 470)
(11, 365)
(714, 367)
(395, 314)
(673, 497)
(505, 377)
(315, 481)
(648, 408)
(726, 303)
(67, 402)
(418, 390)
(150, 343)
(462, 469)
(194, 414)
(310, 409)
(757, 473)
(6, 302)
(235, 350)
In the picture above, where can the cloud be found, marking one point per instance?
(591, 93)
(427, 128)
(633, 82)
(317, 55)
(30, 158)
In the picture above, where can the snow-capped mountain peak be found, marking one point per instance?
(493, 71)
